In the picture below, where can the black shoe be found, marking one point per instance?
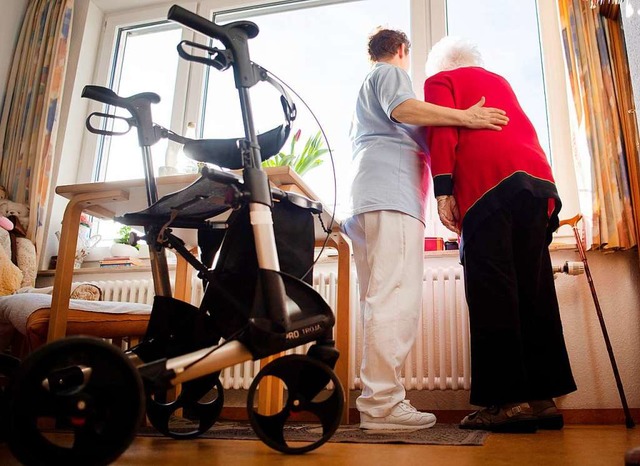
(547, 414)
(513, 419)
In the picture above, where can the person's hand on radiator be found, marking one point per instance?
(448, 212)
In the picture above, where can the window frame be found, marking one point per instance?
(113, 22)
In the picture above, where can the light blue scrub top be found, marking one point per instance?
(391, 170)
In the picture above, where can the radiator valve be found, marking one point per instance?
(570, 268)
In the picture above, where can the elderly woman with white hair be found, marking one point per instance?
(496, 189)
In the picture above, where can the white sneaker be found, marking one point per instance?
(402, 417)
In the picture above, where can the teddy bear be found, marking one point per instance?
(10, 275)
(20, 211)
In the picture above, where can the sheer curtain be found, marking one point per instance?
(31, 107)
(603, 130)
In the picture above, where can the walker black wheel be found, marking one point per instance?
(76, 401)
(201, 402)
(8, 367)
(313, 393)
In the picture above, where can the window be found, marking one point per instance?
(141, 64)
(318, 48)
(326, 74)
(324, 68)
(138, 54)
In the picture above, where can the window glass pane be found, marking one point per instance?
(321, 52)
(146, 61)
(512, 50)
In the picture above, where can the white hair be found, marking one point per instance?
(450, 53)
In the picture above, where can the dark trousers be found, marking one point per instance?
(518, 351)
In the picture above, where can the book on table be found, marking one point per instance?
(120, 261)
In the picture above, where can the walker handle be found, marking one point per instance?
(234, 37)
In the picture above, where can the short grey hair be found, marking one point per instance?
(450, 53)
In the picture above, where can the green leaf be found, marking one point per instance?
(309, 158)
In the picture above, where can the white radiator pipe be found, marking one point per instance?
(570, 268)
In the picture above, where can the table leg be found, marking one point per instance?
(270, 391)
(64, 271)
(66, 257)
(342, 329)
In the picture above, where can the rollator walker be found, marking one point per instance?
(257, 299)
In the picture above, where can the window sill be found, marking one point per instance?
(442, 253)
(559, 246)
(328, 257)
(103, 270)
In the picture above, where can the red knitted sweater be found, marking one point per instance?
(484, 168)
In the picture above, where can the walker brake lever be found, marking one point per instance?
(219, 59)
(130, 122)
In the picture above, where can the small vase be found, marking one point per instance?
(124, 250)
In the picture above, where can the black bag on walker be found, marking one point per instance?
(230, 295)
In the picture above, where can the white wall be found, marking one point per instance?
(615, 277)
(10, 22)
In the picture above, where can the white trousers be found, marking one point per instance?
(388, 253)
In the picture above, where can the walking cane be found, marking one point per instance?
(573, 222)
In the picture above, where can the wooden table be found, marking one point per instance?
(109, 199)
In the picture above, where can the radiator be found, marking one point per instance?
(439, 360)
(440, 357)
(131, 291)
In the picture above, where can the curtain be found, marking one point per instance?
(605, 152)
(31, 107)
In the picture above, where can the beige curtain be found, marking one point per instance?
(31, 107)
(604, 138)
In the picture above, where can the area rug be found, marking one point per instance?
(440, 434)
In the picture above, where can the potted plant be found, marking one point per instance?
(310, 157)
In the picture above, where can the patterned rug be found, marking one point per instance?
(440, 434)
